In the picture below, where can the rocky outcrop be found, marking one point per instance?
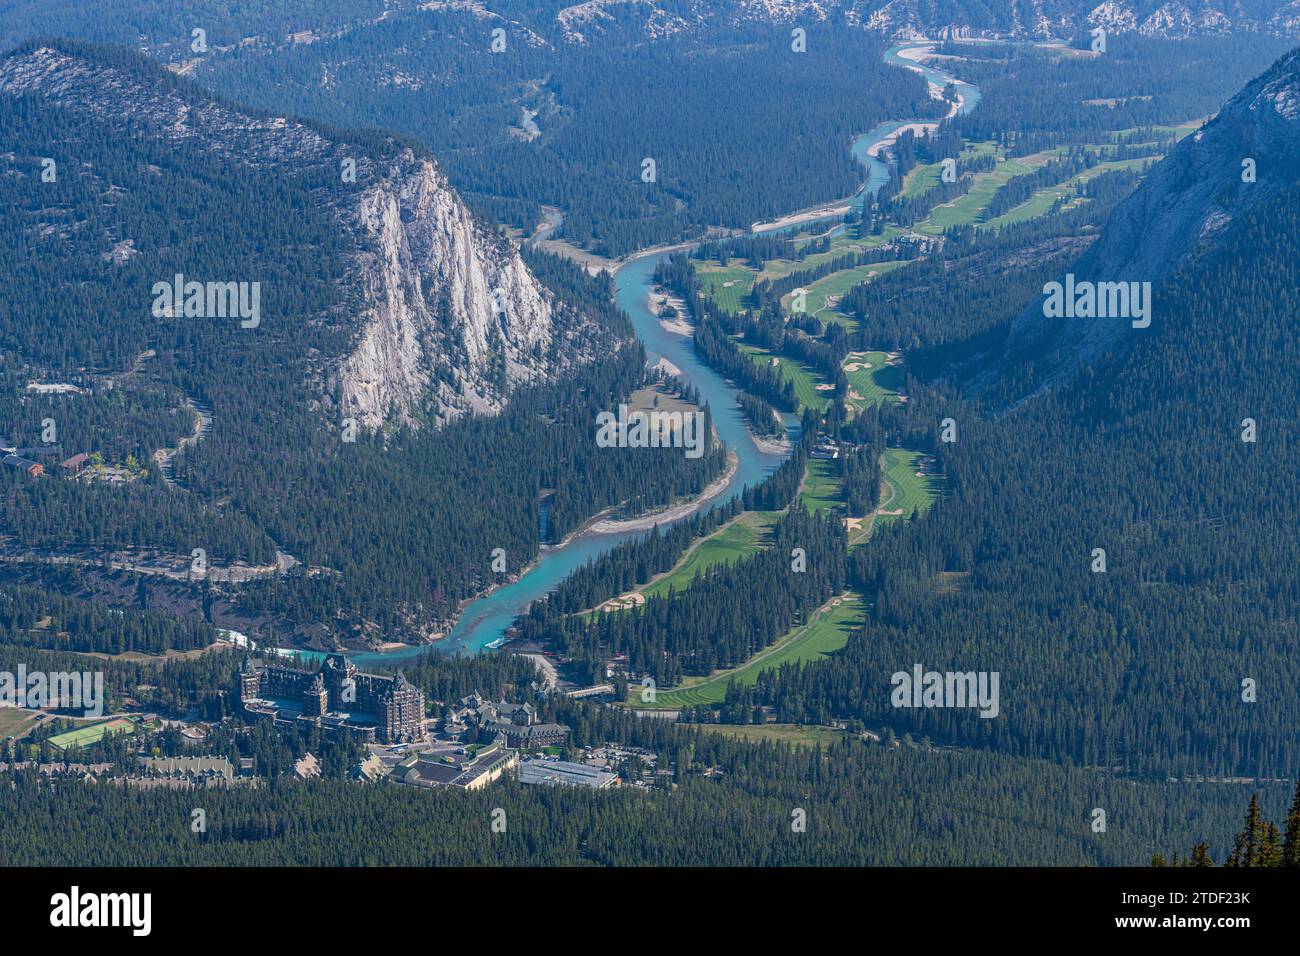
(1182, 210)
(452, 318)
(447, 319)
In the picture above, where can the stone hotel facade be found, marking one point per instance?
(377, 707)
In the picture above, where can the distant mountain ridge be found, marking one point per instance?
(1029, 19)
(165, 32)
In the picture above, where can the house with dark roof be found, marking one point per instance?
(516, 724)
(33, 468)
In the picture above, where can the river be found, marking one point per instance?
(484, 621)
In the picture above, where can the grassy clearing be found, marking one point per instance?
(14, 722)
(826, 633)
(800, 735)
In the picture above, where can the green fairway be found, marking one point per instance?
(826, 633)
(798, 735)
(727, 286)
(804, 378)
(921, 179)
(1042, 201)
(907, 491)
(968, 208)
(925, 177)
(822, 488)
(91, 734)
(822, 299)
(871, 385)
(747, 535)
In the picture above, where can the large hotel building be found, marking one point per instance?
(378, 708)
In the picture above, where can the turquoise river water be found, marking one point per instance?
(484, 621)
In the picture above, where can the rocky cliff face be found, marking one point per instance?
(1181, 212)
(447, 319)
(452, 318)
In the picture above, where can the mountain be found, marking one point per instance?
(1038, 19)
(166, 31)
(352, 395)
(1241, 159)
(1119, 527)
(445, 318)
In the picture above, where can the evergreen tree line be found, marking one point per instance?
(1260, 843)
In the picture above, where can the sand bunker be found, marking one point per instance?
(825, 388)
(624, 602)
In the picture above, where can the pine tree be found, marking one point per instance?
(1246, 849)
(1201, 856)
(1291, 843)
(1270, 851)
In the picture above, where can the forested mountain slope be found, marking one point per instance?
(1239, 161)
(1174, 652)
(434, 297)
(349, 364)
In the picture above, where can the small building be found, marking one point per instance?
(369, 770)
(35, 469)
(565, 774)
(307, 768)
(75, 465)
